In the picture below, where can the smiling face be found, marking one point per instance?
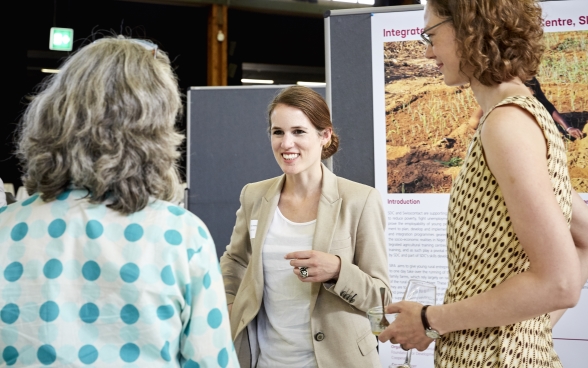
(444, 49)
(296, 143)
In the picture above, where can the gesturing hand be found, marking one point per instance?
(320, 266)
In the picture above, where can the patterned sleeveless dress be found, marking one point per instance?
(484, 251)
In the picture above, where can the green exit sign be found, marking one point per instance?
(61, 39)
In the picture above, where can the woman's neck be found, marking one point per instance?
(490, 96)
(305, 184)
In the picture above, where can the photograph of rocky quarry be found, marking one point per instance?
(429, 125)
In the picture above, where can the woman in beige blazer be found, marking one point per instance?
(301, 300)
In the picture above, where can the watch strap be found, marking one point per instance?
(424, 317)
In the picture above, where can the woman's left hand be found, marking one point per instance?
(407, 329)
(320, 266)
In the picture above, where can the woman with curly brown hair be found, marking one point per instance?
(307, 257)
(517, 240)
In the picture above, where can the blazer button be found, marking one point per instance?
(319, 336)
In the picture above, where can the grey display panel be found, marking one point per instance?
(228, 147)
(348, 68)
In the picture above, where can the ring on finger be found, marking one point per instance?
(304, 272)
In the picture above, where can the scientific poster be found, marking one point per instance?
(422, 129)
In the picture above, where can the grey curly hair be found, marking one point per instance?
(105, 122)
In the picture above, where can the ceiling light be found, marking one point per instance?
(51, 71)
(257, 81)
(311, 84)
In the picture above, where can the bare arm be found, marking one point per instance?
(517, 158)
(578, 228)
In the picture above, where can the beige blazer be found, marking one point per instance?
(350, 224)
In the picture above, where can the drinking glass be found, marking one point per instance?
(421, 292)
(375, 315)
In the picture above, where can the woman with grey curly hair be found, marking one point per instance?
(99, 267)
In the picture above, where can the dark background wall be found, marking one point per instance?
(179, 30)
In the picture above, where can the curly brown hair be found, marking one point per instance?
(105, 123)
(315, 108)
(499, 39)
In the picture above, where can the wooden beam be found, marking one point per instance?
(217, 45)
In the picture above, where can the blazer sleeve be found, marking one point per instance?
(359, 282)
(235, 259)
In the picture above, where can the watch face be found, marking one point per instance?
(432, 334)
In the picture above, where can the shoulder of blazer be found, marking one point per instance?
(352, 189)
(258, 189)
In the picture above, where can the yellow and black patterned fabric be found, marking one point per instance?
(483, 251)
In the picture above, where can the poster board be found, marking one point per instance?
(414, 183)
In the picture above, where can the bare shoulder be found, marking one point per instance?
(510, 130)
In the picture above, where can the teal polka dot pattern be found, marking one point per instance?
(52, 269)
(19, 231)
(88, 354)
(188, 294)
(130, 272)
(9, 314)
(94, 229)
(133, 232)
(203, 233)
(129, 352)
(178, 211)
(63, 195)
(173, 237)
(129, 314)
(215, 318)
(46, 354)
(165, 312)
(89, 313)
(167, 276)
(191, 364)
(91, 271)
(223, 358)
(56, 228)
(206, 281)
(30, 200)
(82, 285)
(10, 355)
(13, 272)
(49, 311)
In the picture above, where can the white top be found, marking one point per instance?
(283, 322)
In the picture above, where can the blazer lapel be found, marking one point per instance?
(327, 217)
(269, 202)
